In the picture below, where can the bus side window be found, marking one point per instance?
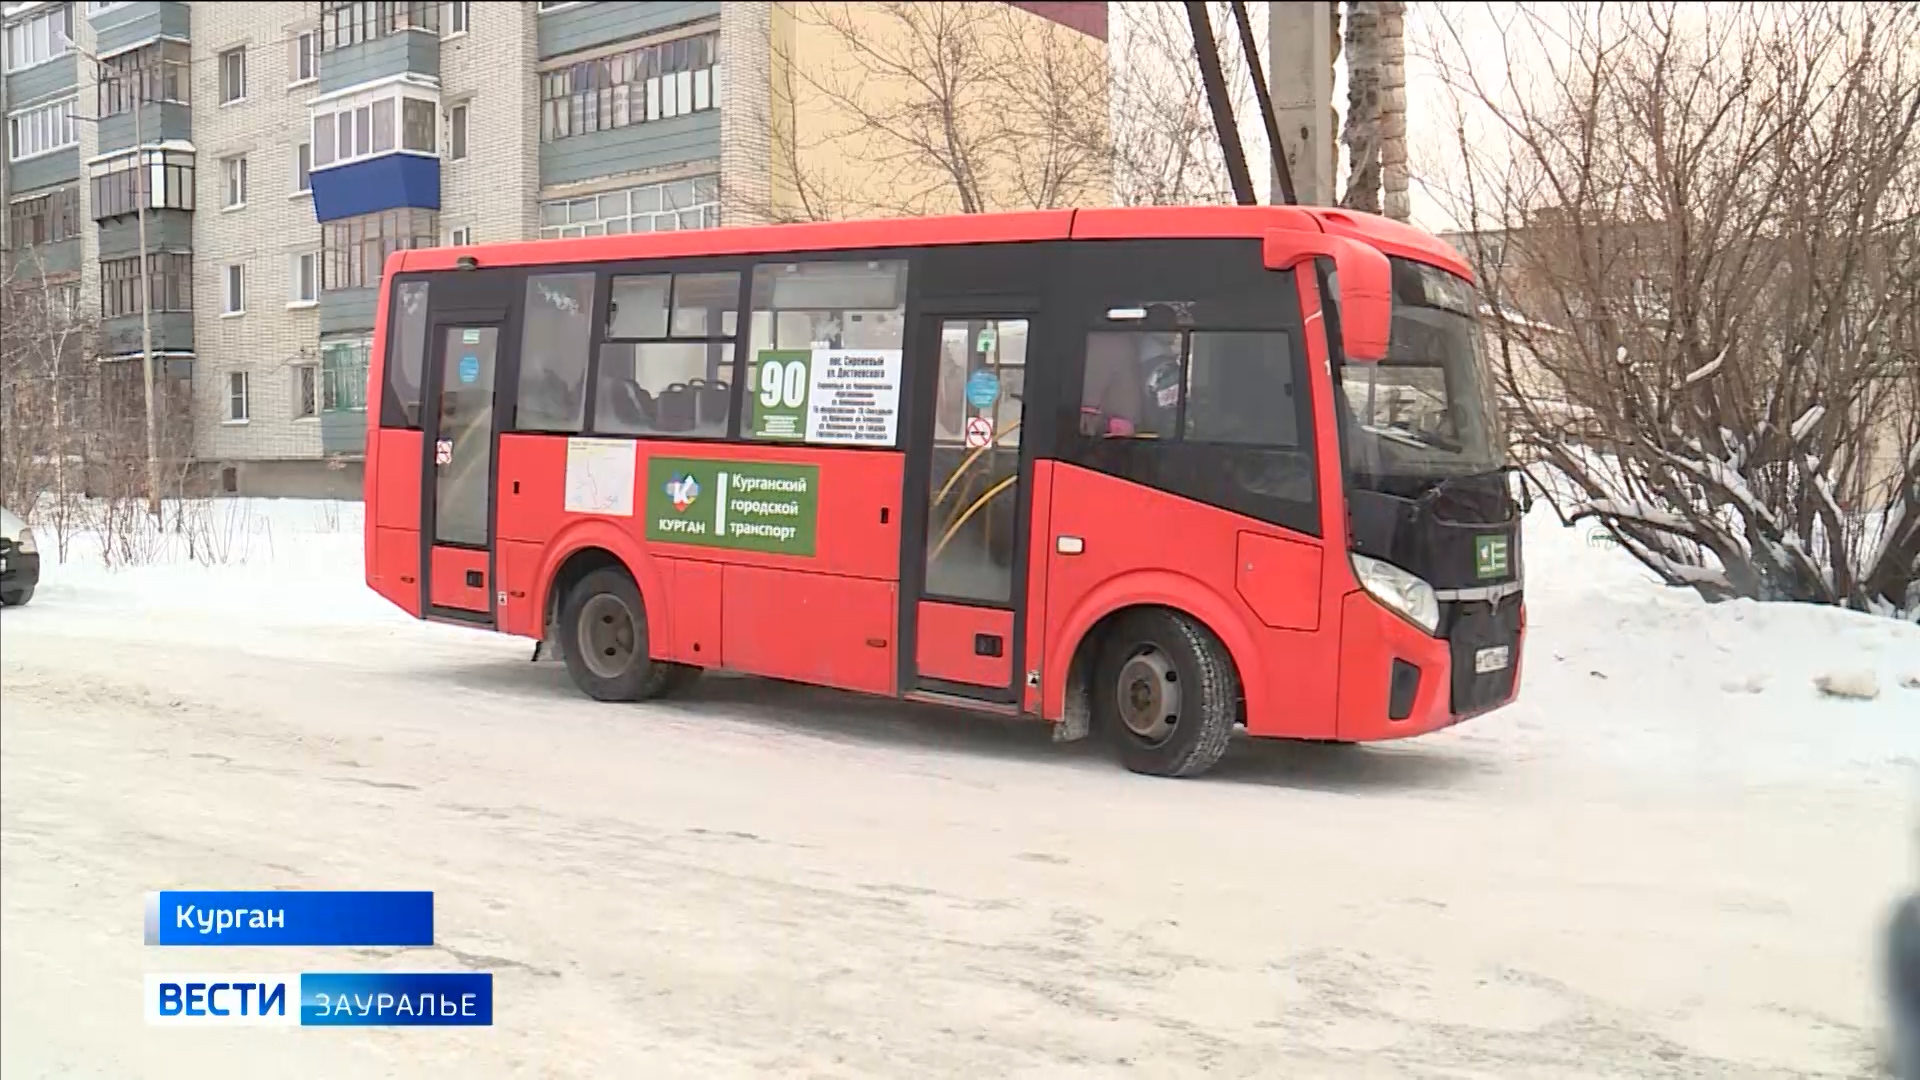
(557, 334)
(1131, 388)
(406, 356)
(1240, 389)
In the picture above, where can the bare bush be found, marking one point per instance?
(1698, 227)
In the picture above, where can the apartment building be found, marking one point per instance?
(283, 150)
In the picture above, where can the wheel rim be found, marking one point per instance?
(1148, 690)
(607, 635)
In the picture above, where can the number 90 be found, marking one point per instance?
(783, 382)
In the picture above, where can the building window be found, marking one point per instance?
(233, 172)
(457, 14)
(39, 39)
(343, 374)
(353, 250)
(359, 21)
(679, 204)
(233, 75)
(460, 236)
(238, 407)
(306, 391)
(417, 117)
(653, 82)
(303, 168)
(43, 130)
(161, 71)
(353, 128)
(233, 294)
(303, 278)
(170, 282)
(306, 56)
(46, 219)
(457, 133)
(165, 178)
(101, 7)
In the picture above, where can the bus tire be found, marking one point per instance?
(1167, 693)
(603, 635)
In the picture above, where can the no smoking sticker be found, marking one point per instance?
(443, 452)
(979, 431)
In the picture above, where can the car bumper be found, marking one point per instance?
(1397, 681)
(19, 572)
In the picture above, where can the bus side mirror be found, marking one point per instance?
(1366, 285)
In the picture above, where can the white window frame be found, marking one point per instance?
(544, 7)
(239, 392)
(452, 27)
(40, 26)
(312, 57)
(295, 298)
(221, 69)
(300, 189)
(233, 290)
(233, 182)
(459, 131)
(360, 105)
(50, 128)
(594, 224)
(460, 236)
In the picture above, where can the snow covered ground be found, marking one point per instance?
(1670, 859)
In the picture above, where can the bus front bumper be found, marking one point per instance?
(1397, 681)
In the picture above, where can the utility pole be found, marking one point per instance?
(143, 192)
(144, 188)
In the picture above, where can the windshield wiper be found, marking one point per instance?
(1419, 440)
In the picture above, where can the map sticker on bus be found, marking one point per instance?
(836, 397)
(600, 476)
(746, 505)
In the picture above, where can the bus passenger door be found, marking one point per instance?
(965, 510)
(461, 438)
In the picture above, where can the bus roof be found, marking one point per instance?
(1106, 223)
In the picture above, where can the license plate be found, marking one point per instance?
(1492, 659)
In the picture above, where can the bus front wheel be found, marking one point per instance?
(603, 634)
(1167, 693)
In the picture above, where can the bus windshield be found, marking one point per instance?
(1428, 410)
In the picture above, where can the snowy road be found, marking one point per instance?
(1647, 870)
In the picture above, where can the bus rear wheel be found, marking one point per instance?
(1167, 693)
(603, 635)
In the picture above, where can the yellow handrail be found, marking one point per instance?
(977, 504)
(967, 462)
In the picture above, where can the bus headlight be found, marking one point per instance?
(1399, 590)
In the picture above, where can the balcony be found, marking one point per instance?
(364, 42)
(375, 148)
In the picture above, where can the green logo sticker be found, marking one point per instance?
(1490, 556)
(745, 505)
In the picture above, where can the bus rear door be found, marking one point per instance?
(966, 505)
(469, 361)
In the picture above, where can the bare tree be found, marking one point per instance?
(1699, 226)
(906, 109)
(1165, 148)
(45, 341)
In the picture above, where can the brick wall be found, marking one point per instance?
(491, 68)
(746, 171)
(271, 338)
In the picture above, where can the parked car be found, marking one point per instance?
(19, 560)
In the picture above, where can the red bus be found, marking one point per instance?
(1128, 471)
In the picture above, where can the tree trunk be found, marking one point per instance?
(1362, 134)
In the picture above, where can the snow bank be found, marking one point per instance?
(1617, 665)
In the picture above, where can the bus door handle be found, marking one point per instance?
(1069, 545)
